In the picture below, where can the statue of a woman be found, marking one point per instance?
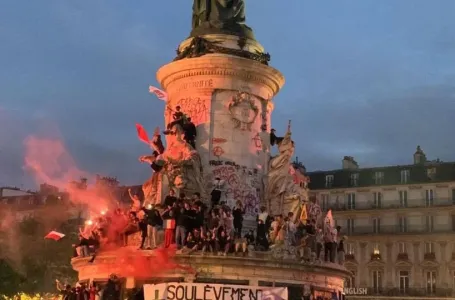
(282, 195)
(220, 16)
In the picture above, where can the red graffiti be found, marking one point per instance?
(257, 141)
(195, 108)
(219, 140)
(218, 151)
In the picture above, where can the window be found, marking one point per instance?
(403, 198)
(376, 225)
(355, 179)
(377, 199)
(377, 281)
(350, 225)
(404, 281)
(351, 200)
(379, 177)
(431, 173)
(431, 281)
(350, 281)
(405, 175)
(429, 197)
(429, 247)
(350, 248)
(325, 202)
(429, 223)
(403, 224)
(329, 181)
(401, 247)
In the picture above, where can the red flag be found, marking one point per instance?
(54, 235)
(142, 134)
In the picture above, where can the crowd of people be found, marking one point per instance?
(188, 224)
(110, 291)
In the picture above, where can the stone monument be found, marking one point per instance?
(221, 84)
(220, 79)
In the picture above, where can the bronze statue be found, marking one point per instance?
(220, 16)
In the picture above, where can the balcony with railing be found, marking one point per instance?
(403, 256)
(429, 256)
(393, 204)
(396, 229)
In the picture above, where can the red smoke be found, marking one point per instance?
(50, 162)
(143, 267)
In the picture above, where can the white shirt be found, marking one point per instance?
(263, 216)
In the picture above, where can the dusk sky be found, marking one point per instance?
(369, 79)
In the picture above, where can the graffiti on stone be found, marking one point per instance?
(257, 141)
(217, 151)
(219, 140)
(242, 183)
(195, 108)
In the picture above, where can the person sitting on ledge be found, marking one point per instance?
(208, 242)
(178, 118)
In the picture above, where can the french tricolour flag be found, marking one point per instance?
(54, 235)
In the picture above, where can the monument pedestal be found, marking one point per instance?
(229, 99)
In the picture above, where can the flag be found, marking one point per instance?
(303, 214)
(54, 235)
(328, 221)
(160, 94)
(142, 134)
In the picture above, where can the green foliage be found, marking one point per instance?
(31, 263)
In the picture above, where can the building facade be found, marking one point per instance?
(400, 226)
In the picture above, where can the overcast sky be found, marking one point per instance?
(369, 79)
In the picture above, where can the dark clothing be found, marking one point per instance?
(237, 214)
(190, 132)
(199, 219)
(341, 246)
(182, 218)
(328, 251)
(216, 197)
(310, 229)
(153, 217)
(111, 291)
(169, 200)
(249, 238)
(274, 139)
(156, 167)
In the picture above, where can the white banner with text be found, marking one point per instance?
(207, 291)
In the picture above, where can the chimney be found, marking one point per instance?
(349, 163)
(419, 156)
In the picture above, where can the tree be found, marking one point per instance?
(38, 262)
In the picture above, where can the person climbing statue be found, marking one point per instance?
(190, 133)
(178, 117)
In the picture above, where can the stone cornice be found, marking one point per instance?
(230, 264)
(217, 65)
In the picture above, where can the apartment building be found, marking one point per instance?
(400, 224)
